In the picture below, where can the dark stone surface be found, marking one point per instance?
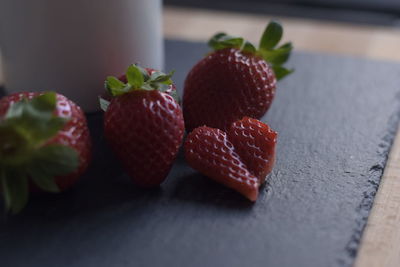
(336, 119)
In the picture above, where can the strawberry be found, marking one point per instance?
(239, 158)
(143, 123)
(235, 80)
(44, 145)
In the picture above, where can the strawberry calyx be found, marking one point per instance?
(138, 78)
(25, 152)
(268, 50)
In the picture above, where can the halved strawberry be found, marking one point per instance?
(255, 142)
(45, 141)
(239, 158)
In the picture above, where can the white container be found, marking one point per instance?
(71, 46)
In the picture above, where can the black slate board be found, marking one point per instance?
(336, 119)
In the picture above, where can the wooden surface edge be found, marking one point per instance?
(380, 243)
(368, 41)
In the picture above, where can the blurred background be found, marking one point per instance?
(380, 12)
(361, 28)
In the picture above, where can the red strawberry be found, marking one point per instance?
(235, 80)
(44, 140)
(143, 124)
(239, 158)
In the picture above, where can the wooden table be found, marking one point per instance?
(380, 245)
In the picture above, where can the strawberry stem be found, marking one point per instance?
(272, 35)
(138, 79)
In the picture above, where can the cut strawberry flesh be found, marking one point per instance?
(239, 159)
(255, 142)
(209, 151)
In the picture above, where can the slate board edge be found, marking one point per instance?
(374, 179)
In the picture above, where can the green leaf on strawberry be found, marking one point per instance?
(277, 56)
(271, 36)
(249, 48)
(49, 161)
(134, 76)
(15, 190)
(104, 103)
(112, 83)
(138, 79)
(267, 50)
(281, 72)
(222, 40)
(25, 153)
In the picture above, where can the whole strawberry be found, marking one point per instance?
(44, 144)
(235, 80)
(143, 123)
(239, 158)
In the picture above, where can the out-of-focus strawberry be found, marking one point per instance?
(44, 140)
